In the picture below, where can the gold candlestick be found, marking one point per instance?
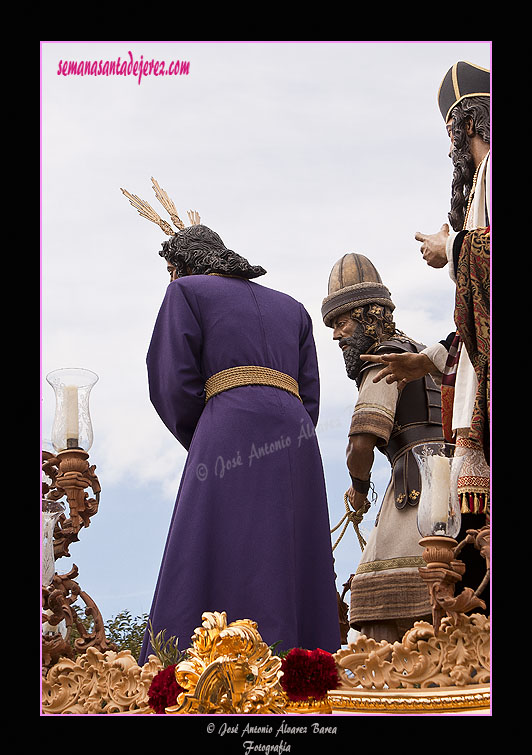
(439, 523)
(69, 474)
(441, 573)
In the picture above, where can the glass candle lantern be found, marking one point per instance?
(72, 426)
(439, 508)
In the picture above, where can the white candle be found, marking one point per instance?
(441, 485)
(71, 410)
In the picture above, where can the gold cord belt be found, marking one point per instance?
(249, 375)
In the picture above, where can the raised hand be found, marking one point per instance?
(433, 246)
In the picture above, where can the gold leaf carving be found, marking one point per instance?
(229, 669)
(458, 655)
(97, 682)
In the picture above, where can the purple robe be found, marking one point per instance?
(250, 531)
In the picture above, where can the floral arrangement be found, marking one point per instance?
(308, 674)
(164, 689)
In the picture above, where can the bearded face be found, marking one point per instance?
(352, 347)
(359, 330)
(472, 112)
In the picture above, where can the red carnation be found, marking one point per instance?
(164, 689)
(308, 673)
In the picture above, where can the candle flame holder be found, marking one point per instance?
(439, 522)
(72, 427)
(68, 475)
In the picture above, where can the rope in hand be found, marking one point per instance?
(355, 517)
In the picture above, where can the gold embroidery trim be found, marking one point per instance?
(443, 700)
(478, 484)
(235, 377)
(456, 88)
(467, 443)
(401, 562)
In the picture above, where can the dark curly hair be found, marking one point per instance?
(477, 109)
(377, 326)
(377, 320)
(197, 250)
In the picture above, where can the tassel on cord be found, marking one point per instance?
(472, 502)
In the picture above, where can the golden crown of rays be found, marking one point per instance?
(149, 213)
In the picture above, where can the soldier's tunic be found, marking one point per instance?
(387, 587)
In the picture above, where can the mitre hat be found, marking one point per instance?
(462, 80)
(354, 281)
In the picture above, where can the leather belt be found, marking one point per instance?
(410, 436)
(405, 471)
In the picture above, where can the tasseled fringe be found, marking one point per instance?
(473, 503)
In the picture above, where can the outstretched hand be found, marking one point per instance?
(433, 246)
(400, 368)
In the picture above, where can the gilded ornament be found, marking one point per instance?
(311, 706)
(97, 682)
(456, 656)
(448, 700)
(229, 669)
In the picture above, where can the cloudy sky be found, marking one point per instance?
(295, 153)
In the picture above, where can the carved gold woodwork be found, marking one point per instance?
(97, 682)
(70, 475)
(58, 600)
(481, 540)
(444, 570)
(473, 699)
(229, 669)
(457, 655)
(311, 706)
